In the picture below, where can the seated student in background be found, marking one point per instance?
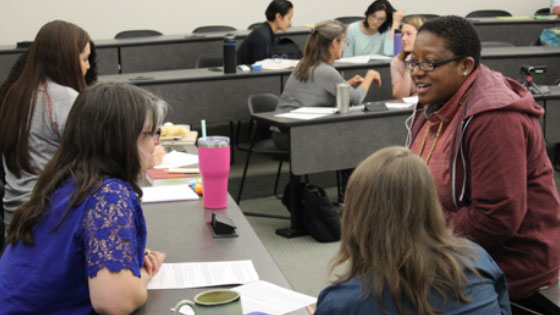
(555, 7)
(400, 76)
(78, 244)
(260, 43)
(399, 256)
(479, 133)
(313, 82)
(34, 109)
(375, 34)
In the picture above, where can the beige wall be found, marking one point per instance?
(21, 19)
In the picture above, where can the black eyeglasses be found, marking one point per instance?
(429, 65)
(156, 133)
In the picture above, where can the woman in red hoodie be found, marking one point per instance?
(479, 133)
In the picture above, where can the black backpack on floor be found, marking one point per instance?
(319, 215)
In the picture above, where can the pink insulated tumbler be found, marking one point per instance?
(213, 162)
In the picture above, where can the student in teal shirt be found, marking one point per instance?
(373, 35)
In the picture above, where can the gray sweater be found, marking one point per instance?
(43, 143)
(319, 90)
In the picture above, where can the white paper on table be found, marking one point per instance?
(302, 116)
(266, 297)
(314, 110)
(362, 59)
(203, 274)
(411, 99)
(175, 159)
(278, 63)
(168, 193)
(398, 105)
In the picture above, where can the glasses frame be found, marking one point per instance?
(428, 66)
(156, 134)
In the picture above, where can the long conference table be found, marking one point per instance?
(155, 53)
(180, 51)
(196, 94)
(180, 230)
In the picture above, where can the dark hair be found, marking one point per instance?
(91, 74)
(99, 141)
(459, 35)
(381, 5)
(278, 6)
(317, 47)
(54, 55)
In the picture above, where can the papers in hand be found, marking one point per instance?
(278, 63)
(203, 274)
(168, 193)
(409, 102)
(308, 113)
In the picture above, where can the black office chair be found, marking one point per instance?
(137, 33)
(349, 19)
(543, 11)
(427, 16)
(486, 44)
(209, 61)
(213, 29)
(260, 103)
(254, 25)
(488, 13)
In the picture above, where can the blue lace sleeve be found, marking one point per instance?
(112, 237)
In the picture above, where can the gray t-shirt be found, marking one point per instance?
(319, 90)
(44, 139)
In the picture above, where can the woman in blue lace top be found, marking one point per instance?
(78, 245)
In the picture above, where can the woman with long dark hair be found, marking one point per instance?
(34, 109)
(78, 244)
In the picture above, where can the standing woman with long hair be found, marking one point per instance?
(398, 255)
(375, 34)
(78, 244)
(34, 109)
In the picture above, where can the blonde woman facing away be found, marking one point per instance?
(313, 82)
(403, 86)
(399, 256)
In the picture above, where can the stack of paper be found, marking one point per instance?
(175, 159)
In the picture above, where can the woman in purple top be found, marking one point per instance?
(78, 245)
